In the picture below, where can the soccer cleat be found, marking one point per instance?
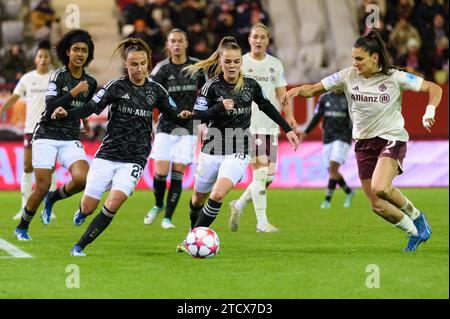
(423, 228)
(22, 234)
(18, 215)
(424, 233)
(235, 216)
(267, 228)
(77, 251)
(182, 247)
(152, 214)
(413, 243)
(325, 204)
(46, 214)
(348, 199)
(78, 218)
(166, 223)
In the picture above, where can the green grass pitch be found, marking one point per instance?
(318, 253)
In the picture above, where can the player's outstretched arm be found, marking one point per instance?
(306, 90)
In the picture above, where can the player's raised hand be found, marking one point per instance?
(428, 117)
(185, 114)
(293, 139)
(228, 104)
(59, 113)
(81, 87)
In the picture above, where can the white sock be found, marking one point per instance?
(409, 209)
(259, 195)
(53, 184)
(26, 185)
(245, 198)
(406, 224)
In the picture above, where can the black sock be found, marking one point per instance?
(96, 227)
(174, 193)
(159, 188)
(344, 186)
(193, 213)
(330, 189)
(83, 214)
(58, 194)
(208, 213)
(25, 221)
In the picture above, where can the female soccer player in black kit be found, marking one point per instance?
(337, 140)
(225, 104)
(119, 162)
(70, 86)
(173, 142)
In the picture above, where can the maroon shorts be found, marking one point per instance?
(368, 151)
(27, 140)
(263, 144)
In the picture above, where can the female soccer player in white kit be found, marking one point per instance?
(31, 86)
(268, 71)
(374, 91)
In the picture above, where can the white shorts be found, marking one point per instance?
(336, 151)
(211, 167)
(105, 175)
(45, 152)
(174, 148)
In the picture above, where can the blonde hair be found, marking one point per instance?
(211, 65)
(262, 26)
(132, 45)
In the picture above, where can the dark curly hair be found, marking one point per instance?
(68, 39)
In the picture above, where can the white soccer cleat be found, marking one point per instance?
(166, 223)
(235, 216)
(267, 228)
(152, 214)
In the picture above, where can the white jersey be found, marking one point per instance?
(33, 86)
(375, 103)
(269, 73)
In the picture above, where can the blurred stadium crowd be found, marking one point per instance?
(416, 31)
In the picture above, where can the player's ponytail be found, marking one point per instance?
(132, 45)
(211, 65)
(373, 43)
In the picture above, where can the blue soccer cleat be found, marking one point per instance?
(424, 233)
(422, 226)
(78, 218)
(77, 251)
(46, 214)
(22, 234)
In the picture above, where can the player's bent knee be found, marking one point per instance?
(378, 207)
(217, 196)
(382, 192)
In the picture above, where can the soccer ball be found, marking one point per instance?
(202, 242)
